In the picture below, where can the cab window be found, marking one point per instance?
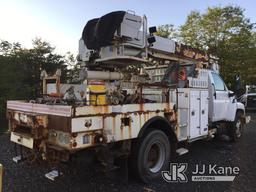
(218, 82)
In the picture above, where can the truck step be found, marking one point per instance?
(181, 151)
(18, 159)
(54, 174)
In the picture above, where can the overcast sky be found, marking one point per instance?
(61, 21)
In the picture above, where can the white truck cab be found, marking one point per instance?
(222, 104)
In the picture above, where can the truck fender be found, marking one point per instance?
(232, 110)
(160, 123)
(240, 106)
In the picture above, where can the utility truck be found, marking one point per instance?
(119, 109)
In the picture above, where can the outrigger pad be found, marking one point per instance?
(18, 159)
(181, 151)
(53, 175)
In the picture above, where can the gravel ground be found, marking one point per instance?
(83, 176)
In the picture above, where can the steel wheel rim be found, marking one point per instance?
(155, 157)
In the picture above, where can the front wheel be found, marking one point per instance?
(236, 128)
(152, 155)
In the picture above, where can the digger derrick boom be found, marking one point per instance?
(128, 42)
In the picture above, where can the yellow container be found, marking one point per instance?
(97, 93)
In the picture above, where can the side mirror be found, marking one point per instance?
(231, 93)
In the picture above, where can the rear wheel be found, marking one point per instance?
(152, 155)
(236, 128)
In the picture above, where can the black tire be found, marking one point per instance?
(151, 156)
(236, 128)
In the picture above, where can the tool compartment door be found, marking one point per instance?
(183, 113)
(204, 102)
(194, 114)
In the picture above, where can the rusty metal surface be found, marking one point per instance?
(112, 123)
(92, 110)
(68, 142)
(82, 124)
(89, 126)
(118, 109)
(37, 121)
(59, 138)
(39, 108)
(28, 123)
(189, 52)
(59, 123)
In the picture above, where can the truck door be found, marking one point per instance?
(219, 98)
(194, 114)
(204, 99)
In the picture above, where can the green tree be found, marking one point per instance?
(226, 33)
(191, 32)
(5, 47)
(20, 69)
(41, 56)
(167, 31)
(73, 68)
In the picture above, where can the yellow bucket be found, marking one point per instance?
(97, 93)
